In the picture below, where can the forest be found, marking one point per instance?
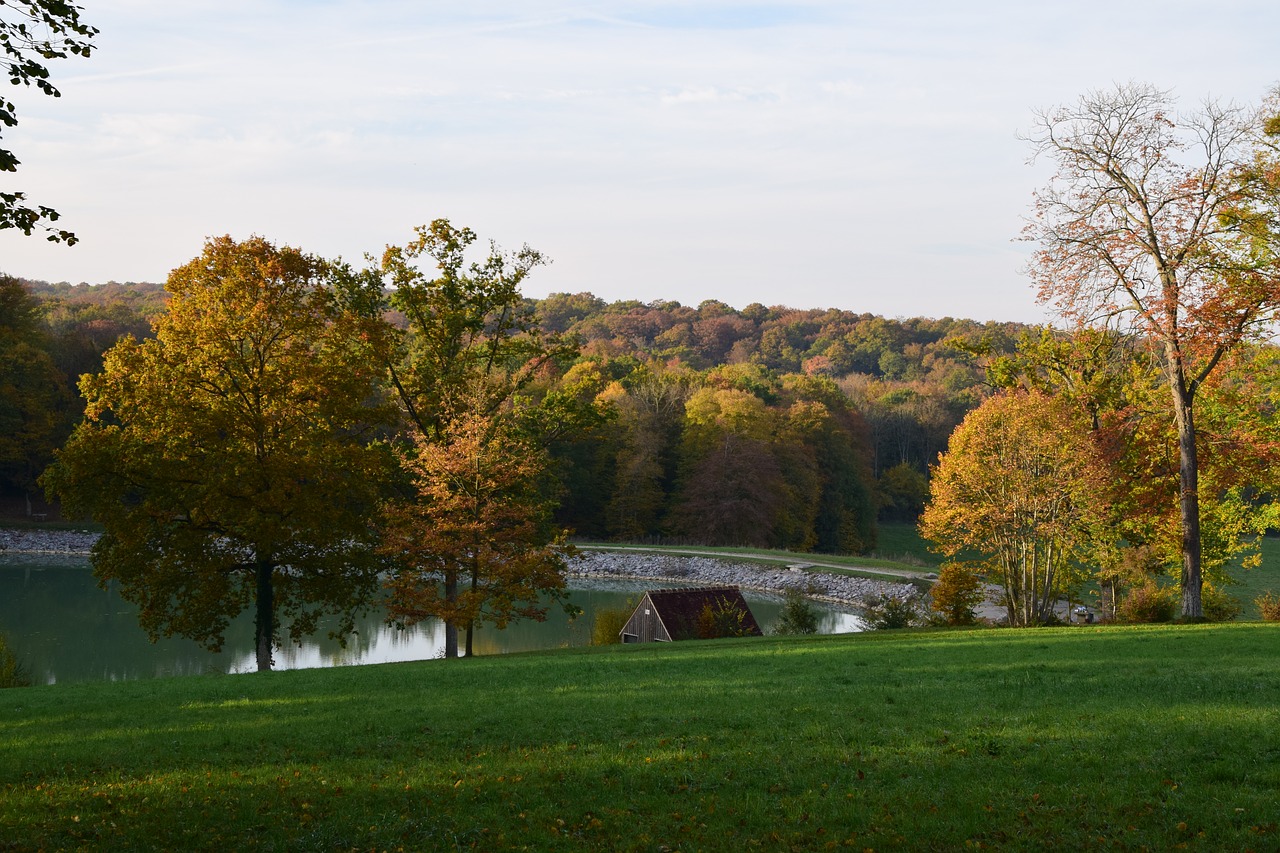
(766, 426)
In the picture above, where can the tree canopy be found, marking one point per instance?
(228, 458)
(1017, 488)
(1166, 223)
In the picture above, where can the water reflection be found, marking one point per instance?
(64, 628)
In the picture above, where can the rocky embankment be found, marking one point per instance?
(37, 541)
(696, 571)
(705, 571)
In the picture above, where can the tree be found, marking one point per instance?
(31, 33)
(34, 396)
(956, 595)
(227, 458)
(470, 544)
(1017, 487)
(798, 616)
(471, 349)
(1167, 225)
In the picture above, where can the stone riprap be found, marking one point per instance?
(37, 541)
(706, 571)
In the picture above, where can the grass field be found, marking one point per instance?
(1101, 738)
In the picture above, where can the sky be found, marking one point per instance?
(834, 153)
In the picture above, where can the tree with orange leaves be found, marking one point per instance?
(1167, 224)
(1014, 498)
(474, 545)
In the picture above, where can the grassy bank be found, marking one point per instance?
(1121, 738)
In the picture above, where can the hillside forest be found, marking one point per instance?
(765, 426)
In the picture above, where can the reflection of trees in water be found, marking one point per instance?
(67, 629)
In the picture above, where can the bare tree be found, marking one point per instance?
(1148, 224)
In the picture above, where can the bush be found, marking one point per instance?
(606, 627)
(1218, 605)
(885, 611)
(797, 617)
(723, 619)
(12, 673)
(955, 595)
(1268, 605)
(1149, 603)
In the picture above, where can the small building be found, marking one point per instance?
(665, 615)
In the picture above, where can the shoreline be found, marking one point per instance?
(602, 564)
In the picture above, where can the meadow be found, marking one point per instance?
(1126, 738)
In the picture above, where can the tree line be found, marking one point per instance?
(895, 388)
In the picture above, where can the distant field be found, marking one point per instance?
(1071, 738)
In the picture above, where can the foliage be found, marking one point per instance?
(887, 612)
(1147, 603)
(34, 397)
(32, 32)
(470, 544)
(462, 372)
(955, 594)
(722, 618)
(227, 458)
(798, 616)
(903, 492)
(1181, 245)
(12, 673)
(607, 625)
(1219, 605)
(1017, 488)
(1268, 605)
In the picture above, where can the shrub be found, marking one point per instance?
(12, 673)
(606, 627)
(798, 616)
(955, 595)
(1268, 605)
(885, 612)
(1149, 603)
(1218, 605)
(723, 619)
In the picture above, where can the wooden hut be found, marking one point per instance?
(665, 615)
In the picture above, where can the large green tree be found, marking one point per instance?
(32, 32)
(1165, 223)
(227, 457)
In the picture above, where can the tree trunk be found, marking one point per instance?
(264, 626)
(475, 583)
(450, 629)
(1189, 504)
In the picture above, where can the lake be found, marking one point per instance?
(66, 629)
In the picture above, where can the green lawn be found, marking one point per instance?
(1072, 738)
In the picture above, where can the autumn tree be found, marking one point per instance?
(1017, 487)
(226, 458)
(472, 544)
(460, 368)
(732, 482)
(32, 32)
(1161, 222)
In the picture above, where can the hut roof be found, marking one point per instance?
(679, 609)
